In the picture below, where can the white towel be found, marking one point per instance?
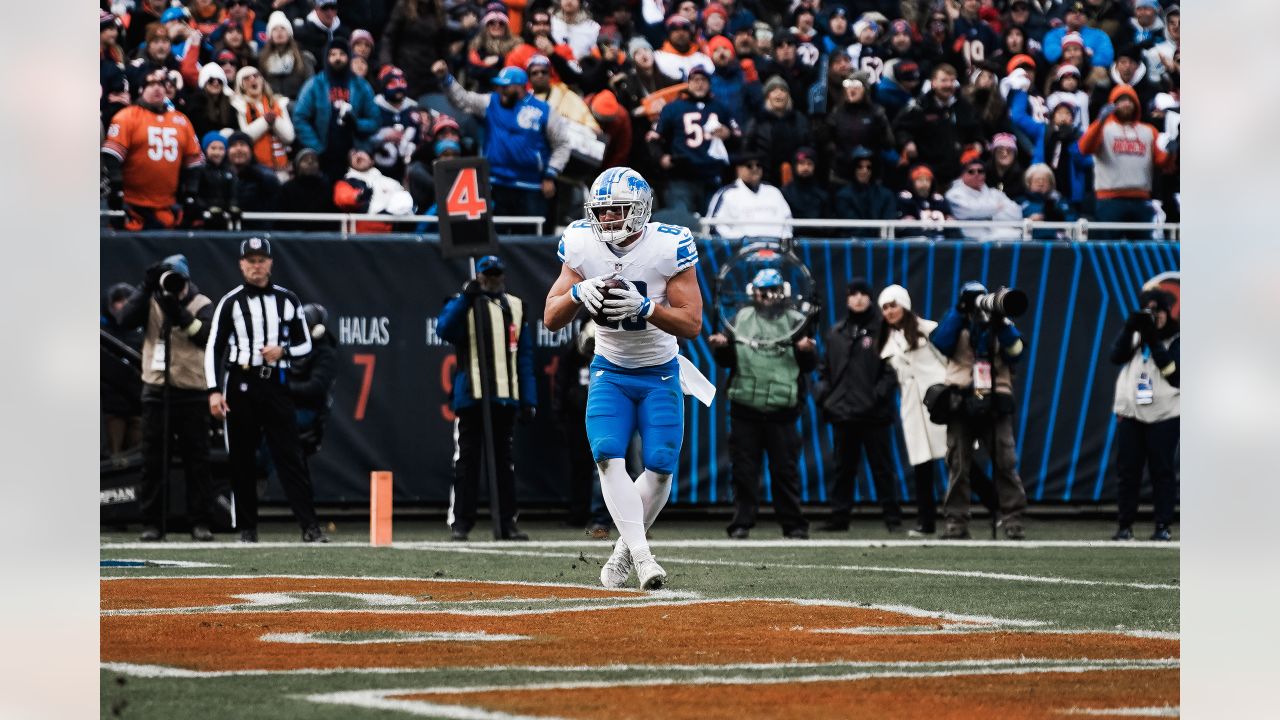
(692, 382)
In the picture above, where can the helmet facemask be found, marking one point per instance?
(618, 205)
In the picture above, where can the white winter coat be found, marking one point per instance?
(918, 368)
(985, 204)
(739, 202)
(389, 196)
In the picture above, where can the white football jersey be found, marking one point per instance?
(661, 252)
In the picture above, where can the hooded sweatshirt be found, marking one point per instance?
(1125, 153)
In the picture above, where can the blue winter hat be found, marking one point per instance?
(511, 75)
(211, 137)
(490, 265)
(173, 13)
(178, 263)
(767, 278)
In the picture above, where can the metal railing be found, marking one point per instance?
(990, 229)
(885, 229)
(346, 222)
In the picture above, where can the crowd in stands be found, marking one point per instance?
(864, 109)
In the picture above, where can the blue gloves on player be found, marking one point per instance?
(627, 303)
(588, 293)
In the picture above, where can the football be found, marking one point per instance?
(606, 288)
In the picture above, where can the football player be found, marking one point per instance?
(148, 156)
(636, 374)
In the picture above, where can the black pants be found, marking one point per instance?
(263, 408)
(1155, 446)
(995, 435)
(926, 501)
(189, 436)
(749, 440)
(467, 478)
(851, 439)
(582, 467)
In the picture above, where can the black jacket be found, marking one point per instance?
(257, 190)
(120, 391)
(808, 199)
(939, 132)
(413, 45)
(854, 382)
(306, 194)
(851, 125)
(777, 137)
(311, 376)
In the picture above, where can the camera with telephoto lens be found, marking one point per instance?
(1006, 302)
(172, 282)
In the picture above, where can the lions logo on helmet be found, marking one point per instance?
(623, 189)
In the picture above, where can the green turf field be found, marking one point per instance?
(995, 591)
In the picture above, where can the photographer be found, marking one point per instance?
(981, 345)
(766, 389)
(176, 319)
(1148, 407)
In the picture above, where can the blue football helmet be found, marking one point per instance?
(624, 188)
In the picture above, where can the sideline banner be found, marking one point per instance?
(390, 409)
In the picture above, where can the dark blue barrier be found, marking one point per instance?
(390, 402)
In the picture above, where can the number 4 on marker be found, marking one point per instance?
(464, 197)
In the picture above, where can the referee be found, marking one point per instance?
(257, 329)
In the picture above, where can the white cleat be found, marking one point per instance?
(618, 567)
(652, 576)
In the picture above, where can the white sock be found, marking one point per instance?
(625, 506)
(655, 490)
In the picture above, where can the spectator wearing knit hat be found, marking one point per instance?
(922, 202)
(362, 43)
(1017, 50)
(1126, 159)
(335, 110)
(858, 123)
(216, 203)
(1004, 172)
(1146, 26)
(1161, 58)
(1128, 69)
(685, 141)
(112, 82)
(230, 36)
(837, 34)
(1035, 17)
(209, 108)
(487, 51)
(1074, 53)
(257, 189)
(679, 54)
(571, 24)
(741, 94)
(974, 38)
(1043, 202)
(206, 14)
(1097, 45)
(1066, 84)
(898, 85)
(284, 64)
(866, 52)
(321, 27)
(154, 54)
(415, 37)
(1054, 140)
(715, 21)
(264, 117)
(865, 198)
(900, 43)
(808, 198)
(400, 124)
(615, 123)
(983, 93)
(308, 191)
(787, 65)
(777, 131)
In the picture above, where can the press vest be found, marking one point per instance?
(186, 359)
(504, 340)
(960, 367)
(1166, 400)
(767, 377)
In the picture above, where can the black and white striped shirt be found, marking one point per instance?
(249, 318)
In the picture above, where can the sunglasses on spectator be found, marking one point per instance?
(539, 72)
(975, 171)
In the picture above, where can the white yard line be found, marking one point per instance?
(386, 699)
(680, 544)
(1161, 711)
(307, 638)
(161, 671)
(848, 568)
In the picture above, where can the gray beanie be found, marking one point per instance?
(638, 43)
(775, 81)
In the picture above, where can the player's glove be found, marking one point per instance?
(589, 294)
(627, 303)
